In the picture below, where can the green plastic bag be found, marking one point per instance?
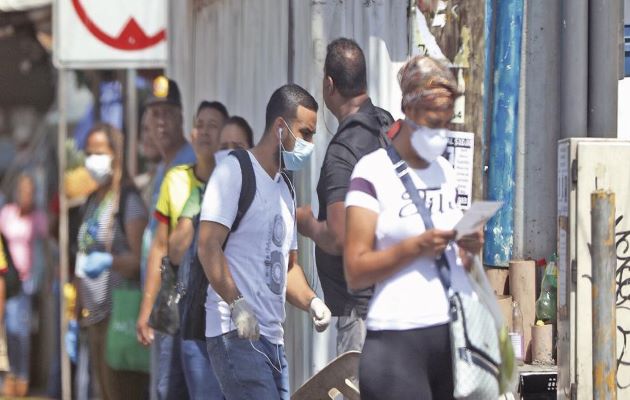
(122, 350)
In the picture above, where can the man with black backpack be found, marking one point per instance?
(252, 268)
(361, 131)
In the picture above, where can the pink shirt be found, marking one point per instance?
(20, 232)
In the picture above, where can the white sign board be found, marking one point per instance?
(93, 34)
(460, 152)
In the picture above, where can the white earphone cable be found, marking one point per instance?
(268, 359)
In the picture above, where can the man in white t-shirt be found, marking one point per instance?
(252, 276)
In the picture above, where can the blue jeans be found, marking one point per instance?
(200, 379)
(249, 369)
(18, 326)
(171, 383)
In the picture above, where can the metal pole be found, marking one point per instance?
(488, 92)
(62, 80)
(131, 105)
(574, 76)
(503, 134)
(518, 243)
(604, 262)
(603, 66)
(539, 125)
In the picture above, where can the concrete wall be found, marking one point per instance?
(540, 125)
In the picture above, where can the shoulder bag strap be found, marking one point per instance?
(402, 171)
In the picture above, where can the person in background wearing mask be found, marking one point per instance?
(387, 245)
(109, 254)
(21, 224)
(165, 128)
(173, 376)
(257, 271)
(361, 125)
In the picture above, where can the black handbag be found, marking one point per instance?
(165, 313)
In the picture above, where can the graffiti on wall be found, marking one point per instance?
(622, 278)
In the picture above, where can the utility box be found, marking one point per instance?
(585, 165)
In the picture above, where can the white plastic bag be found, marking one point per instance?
(508, 378)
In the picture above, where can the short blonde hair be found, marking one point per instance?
(425, 81)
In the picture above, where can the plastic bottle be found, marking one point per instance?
(516, 335)
(546, 303)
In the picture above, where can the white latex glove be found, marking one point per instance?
(245, 320)
(321, 314)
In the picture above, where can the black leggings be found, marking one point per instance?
(407, 365)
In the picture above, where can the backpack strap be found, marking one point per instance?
(248, 186)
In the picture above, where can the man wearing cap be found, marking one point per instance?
(165, 123)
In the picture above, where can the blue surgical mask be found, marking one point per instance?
(296, 159)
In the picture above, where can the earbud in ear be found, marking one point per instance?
(280, 133)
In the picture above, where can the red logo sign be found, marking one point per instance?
(131, 38)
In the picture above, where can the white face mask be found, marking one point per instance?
(220, 155)
(429, 143)
(99, 166)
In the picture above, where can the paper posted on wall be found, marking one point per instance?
(476, 217)
(460, 152)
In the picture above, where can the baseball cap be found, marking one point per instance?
(164, 90)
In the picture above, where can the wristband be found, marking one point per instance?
(239, 297)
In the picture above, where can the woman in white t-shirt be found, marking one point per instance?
(407, 352)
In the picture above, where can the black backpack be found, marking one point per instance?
(193, 303)
(378, 123)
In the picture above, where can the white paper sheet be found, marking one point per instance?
(476, 216)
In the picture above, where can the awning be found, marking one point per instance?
(21, 5)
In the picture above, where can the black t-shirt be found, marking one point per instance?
(359, 134)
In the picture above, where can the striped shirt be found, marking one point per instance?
(94, 233)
